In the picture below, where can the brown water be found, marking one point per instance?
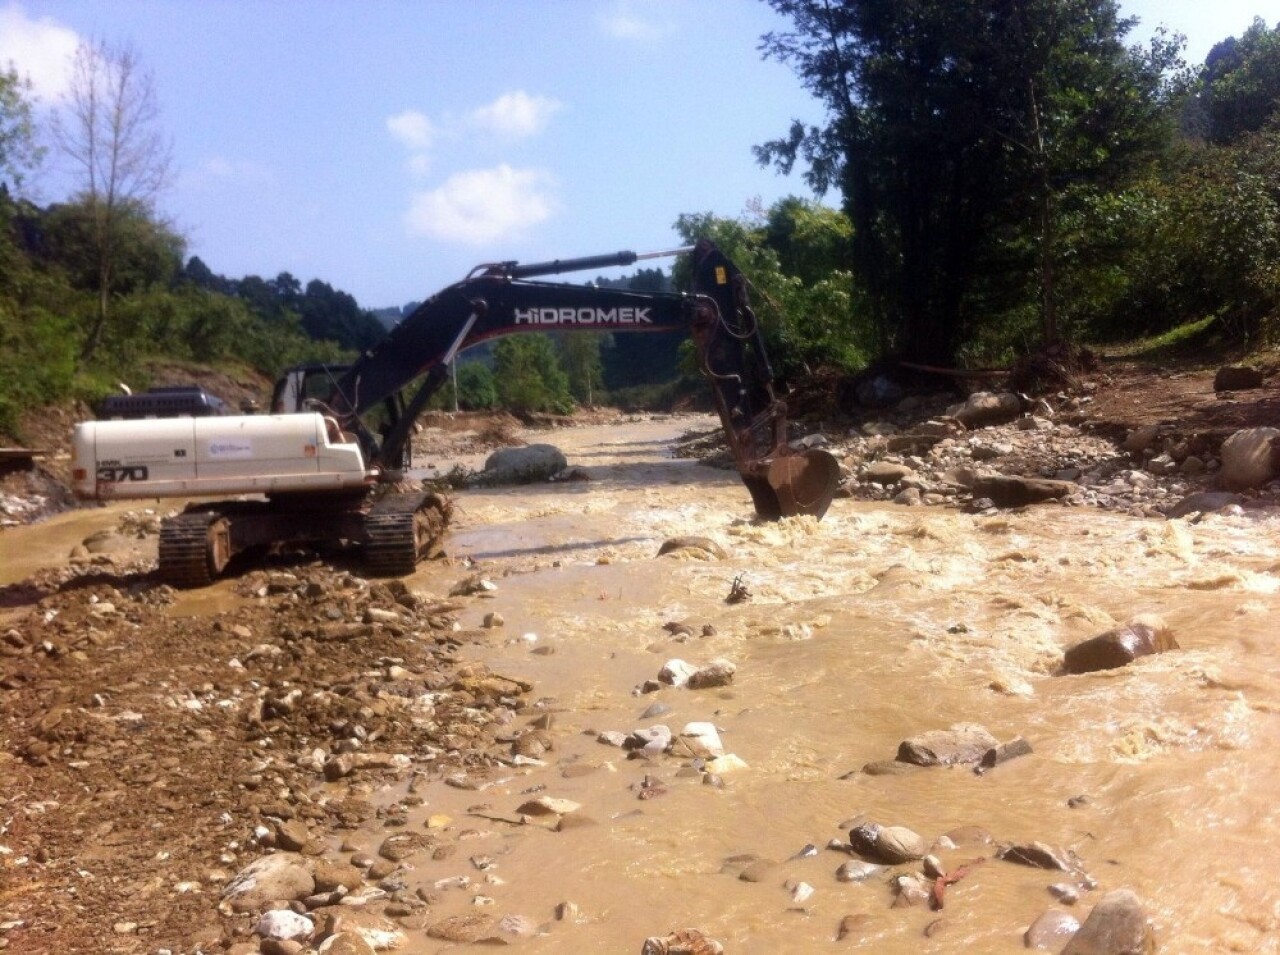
(876, 624)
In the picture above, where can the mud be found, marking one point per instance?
(154, 742)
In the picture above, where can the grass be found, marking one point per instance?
(1200, 340)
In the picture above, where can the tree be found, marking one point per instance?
(529, 377)
(19, 152)
(579, 354)
(109, 133)
(1241, 83)
(955, 134)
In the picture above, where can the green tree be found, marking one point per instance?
(19, 151)
(529, 376)
(109, 133)
(579, 356)
(957, 133)
(1241, 83)
(477, 389)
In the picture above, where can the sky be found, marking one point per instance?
(388, 147)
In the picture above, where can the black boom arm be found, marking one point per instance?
(502, 299)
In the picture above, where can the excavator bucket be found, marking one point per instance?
(795, 483)
(803, 483)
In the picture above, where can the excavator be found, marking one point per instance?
(328, 464)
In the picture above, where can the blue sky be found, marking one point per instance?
(388, 147)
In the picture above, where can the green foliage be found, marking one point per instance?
(19, 151)
(579, 356)
(477, 389)
(811, 312)
(529, 377)
(957, 134)
(1240, 83)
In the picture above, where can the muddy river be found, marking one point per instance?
(876, 624)
(873, 625)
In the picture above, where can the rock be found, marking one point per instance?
(1145, 634)
(345, 943)
(962, 743)
(1237, 378)
(686, 941)
(728, 763)
(699, 741)
(548, 806)
(284, 924)
(1010, 491)
(1203, 502)
(536, 462)
(331, 875)
(1037, 855)
(853, 925)
(987, 408)
(466, 929)
(858, 870)
(1051, 929)
(886, 767)
(895, 844)
(718, 672)
(1248, 459)
(909, 890)
(650, 740)
(699, 548)
(1004, 752)
(676, 672)
(273, 878)
(1118, 925)
(292, 835)
(885, 472)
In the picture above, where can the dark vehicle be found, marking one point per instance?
(176, 401)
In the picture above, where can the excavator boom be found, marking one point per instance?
(315, 485)
(504, 299)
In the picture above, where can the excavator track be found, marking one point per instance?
(402, 529)
(194, 548)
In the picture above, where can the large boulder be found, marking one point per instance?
(1237, 378)
(986, 408)
(1118, 925)
(527, 465)
(1142, 636)
(284, 877)
(1007, 490)
(961, 743)
(1249, 458)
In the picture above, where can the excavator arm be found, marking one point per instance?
(505, 298)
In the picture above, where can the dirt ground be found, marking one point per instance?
(152, 745)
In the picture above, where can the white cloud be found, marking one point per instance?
(516, 114)
(41, 50)
(412, 128)
(482, 205)
(635, 20)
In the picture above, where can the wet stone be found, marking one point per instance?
(698, 548)
(858, 870)
(466, 929)
(1142, 636)
(853, 926)
(1037, 855)
(1051, 930)
(1118, 925)
(961, 743)
(686, 941)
